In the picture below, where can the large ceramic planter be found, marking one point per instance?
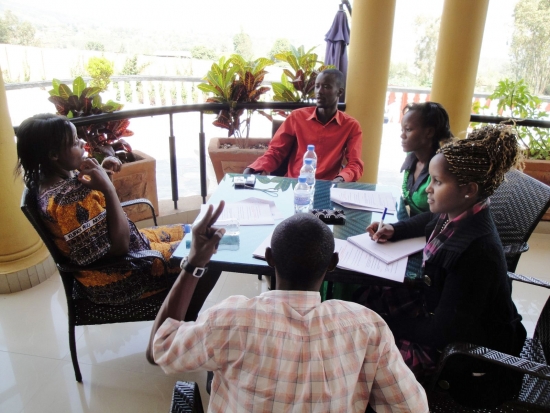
(138, 180)
(233, 160)
(540, 170)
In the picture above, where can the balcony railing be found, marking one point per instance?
(150, 91)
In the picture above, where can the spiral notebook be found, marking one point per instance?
(388, 252)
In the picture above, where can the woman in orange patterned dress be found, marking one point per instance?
(80, 207)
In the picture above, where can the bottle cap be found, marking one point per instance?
(311, 147)
(302, 179)
(187, 228)
(308, 161)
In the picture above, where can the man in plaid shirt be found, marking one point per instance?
(284, 351)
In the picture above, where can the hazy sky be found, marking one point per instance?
(301, 21)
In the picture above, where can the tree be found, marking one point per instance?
(530, 48)
(13, 31)
(425, 49)
(242, 45)
(280, 46)
(95, 46)
(203, 53)
(100, 69)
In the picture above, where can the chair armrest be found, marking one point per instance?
(528, 280)
(111, 261)
(491, 356)
(515, 249)
(141, 201)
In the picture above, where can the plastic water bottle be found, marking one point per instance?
(309, 172)
(310, 154)
(302, 197)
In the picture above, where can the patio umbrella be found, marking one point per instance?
(337, 39)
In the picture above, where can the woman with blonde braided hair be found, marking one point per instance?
(467, 295)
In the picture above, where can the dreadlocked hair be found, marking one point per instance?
(483, 157)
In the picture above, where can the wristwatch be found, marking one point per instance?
(197, 272)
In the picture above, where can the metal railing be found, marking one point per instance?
(216, 107)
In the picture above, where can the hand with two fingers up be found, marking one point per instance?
(206, 237)
(380, 233)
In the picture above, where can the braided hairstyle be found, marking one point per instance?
(433, 115)
(483, 157)
(37, 138)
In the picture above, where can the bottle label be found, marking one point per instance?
(301, 199)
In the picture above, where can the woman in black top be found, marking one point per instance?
(467, 296)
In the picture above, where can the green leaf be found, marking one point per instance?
(55, 85)
(64, 91)
(96, 101)
(78, 86)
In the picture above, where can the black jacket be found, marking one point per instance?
(469, 299)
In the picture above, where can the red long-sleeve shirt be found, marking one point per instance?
(339, 138)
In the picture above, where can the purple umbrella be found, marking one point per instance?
(337, 39)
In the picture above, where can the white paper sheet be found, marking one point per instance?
(355, 259)
(388, 251)
(274, 210)
(246, 214)
(364, 200)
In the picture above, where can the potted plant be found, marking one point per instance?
(137, 178)
(516, 101)
(297, 83)
(234, 80)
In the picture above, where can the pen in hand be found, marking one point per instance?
(383, 216)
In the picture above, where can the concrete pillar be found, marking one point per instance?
(24, 260)
(457, 59)
(367, 78)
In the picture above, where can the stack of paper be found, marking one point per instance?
(355, 259)
(245, 213)
(364, 200)
(388, 251)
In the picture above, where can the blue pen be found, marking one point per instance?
(383, 216)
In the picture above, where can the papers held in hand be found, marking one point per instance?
(364, 200)
(388, 251)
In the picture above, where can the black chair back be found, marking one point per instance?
(517, 206)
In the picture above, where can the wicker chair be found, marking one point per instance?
(534, 395)
(517, 206)
(82, 311)
(186, 398)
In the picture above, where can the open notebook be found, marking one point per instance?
(388, 251)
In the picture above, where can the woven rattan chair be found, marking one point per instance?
(186, 398)
(534, 395)
(82, 311)
(517, 206)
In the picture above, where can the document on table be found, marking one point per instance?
(355, 259)
(388, 251)
(274, 210)
(364, 200)
(245, 213)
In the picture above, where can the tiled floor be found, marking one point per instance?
(36, 374)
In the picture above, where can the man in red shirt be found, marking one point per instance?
(335, 135)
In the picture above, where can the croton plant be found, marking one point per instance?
(102, 138)
(234, 80)
(297, 83)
